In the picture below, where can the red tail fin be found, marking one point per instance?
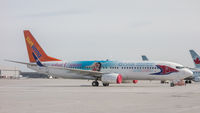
(33, 47)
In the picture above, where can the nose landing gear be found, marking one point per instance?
(172, 84)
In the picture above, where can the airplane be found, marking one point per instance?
(108, 72)
(196, 70)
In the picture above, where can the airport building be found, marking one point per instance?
(9, 72)
(15, 73)
(34, 75)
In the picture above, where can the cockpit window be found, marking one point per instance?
(179, 67)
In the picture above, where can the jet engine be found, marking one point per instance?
(113, 78)
(135, 81)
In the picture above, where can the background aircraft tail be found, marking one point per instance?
(34, 48)
(196, 58)
(144, 58)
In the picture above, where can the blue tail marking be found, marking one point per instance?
(37, 60)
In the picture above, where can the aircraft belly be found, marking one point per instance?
(148, 76)
(138, 76)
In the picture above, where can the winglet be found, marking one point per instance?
(33, 47)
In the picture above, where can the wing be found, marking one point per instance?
(79, 71)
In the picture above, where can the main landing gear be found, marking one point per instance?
(95, 83)
(188, 81)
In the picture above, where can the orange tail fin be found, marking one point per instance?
(33, 47)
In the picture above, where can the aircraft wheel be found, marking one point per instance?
(95, 83)
(162, 81)
(172, 84)
(189, 81)
(105, 84)
(186, 82)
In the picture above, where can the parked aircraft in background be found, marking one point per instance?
(196, 58)
(144, 58)
(108, 72)
(196, 70)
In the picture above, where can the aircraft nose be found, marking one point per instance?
(188, 73)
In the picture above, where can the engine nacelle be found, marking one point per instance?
(135, 81)
(112, 78)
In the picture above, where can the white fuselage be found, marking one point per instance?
(128, 70)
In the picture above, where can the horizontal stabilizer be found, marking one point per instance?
(25, 63)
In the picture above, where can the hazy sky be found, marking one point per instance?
(101, 29)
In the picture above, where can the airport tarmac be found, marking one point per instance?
(78, 96)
